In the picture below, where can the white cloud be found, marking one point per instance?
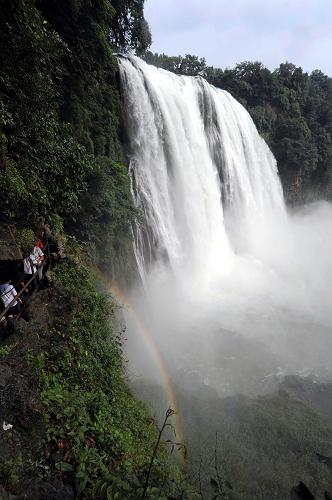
(227, 32)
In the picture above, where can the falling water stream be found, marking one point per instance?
(235, 290)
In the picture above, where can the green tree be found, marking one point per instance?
(129, 29)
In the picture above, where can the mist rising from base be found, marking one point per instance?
(268, 315)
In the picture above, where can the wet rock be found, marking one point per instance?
(8, 247)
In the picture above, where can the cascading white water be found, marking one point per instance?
(194, 152)
(236, 289)
(226, 269)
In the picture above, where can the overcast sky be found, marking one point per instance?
(227, 32)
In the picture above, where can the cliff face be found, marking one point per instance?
(23, 444)
(297, 189)
(8, 246)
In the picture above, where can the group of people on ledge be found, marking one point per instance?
(26, 277)
(19, 278)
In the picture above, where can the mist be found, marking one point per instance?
(269, 314)
(235, 287)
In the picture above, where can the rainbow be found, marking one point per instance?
(149, 339)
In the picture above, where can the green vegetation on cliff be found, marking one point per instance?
(60, 153)
(77, 428)
(103, 436)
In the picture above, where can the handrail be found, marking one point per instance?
(20, 292)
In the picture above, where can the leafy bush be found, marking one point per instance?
(97, 434)
(25, 239)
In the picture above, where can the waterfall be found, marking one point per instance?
(195, 154)
(225, 267)
(236, 289)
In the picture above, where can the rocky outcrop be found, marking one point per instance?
(8, 246)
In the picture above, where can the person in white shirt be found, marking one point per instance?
(29, 269)
(37, 257)
(33, 263)
(29, 265)
(8, 296)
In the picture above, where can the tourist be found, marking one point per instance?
(37, 257)
(39, 243)
(8, 295)
(29, 269)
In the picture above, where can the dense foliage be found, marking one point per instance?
(129, 29)
(291, 109)
(96, 432)
(78, 431)
(60, 153)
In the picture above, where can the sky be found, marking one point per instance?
(227, 32)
